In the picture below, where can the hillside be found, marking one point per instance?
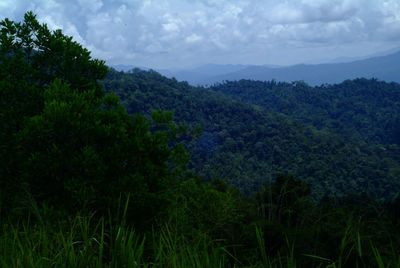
(362, 109)
(247, 145)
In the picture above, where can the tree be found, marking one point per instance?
(67, 143)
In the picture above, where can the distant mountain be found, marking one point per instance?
(126, 68)
(202, 75)
(199, 74)
(195, 75)
(374, 55)
(384, 68)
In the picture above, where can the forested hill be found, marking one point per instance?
(246, 144)
(363, 109)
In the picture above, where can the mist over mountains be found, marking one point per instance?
(384, 68)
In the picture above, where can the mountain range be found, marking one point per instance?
(384, 68)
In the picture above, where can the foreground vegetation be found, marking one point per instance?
(206, 227)
(85, 184)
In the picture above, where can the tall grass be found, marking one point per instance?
(171, 250)
(88, 244)
(287, 260)
(87, 241)
(351, 245)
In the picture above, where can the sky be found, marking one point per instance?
(168, 34)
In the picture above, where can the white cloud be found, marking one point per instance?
(193, 38)
(71, 30)
(176, 32)
(170, 27)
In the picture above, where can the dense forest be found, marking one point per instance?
(326, 140)
(362, 109)
(100, 168)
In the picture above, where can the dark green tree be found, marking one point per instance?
(66, 143)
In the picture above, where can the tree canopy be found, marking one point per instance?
(253, 130)
(67, 143)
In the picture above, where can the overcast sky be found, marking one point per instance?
(179, 33)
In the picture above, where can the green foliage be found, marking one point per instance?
(68, 144)
(359, 109)
(202, 207)
(32, 57)
(248, 145)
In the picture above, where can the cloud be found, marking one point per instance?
(193, 38)
(91, 5)
(164, 33)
